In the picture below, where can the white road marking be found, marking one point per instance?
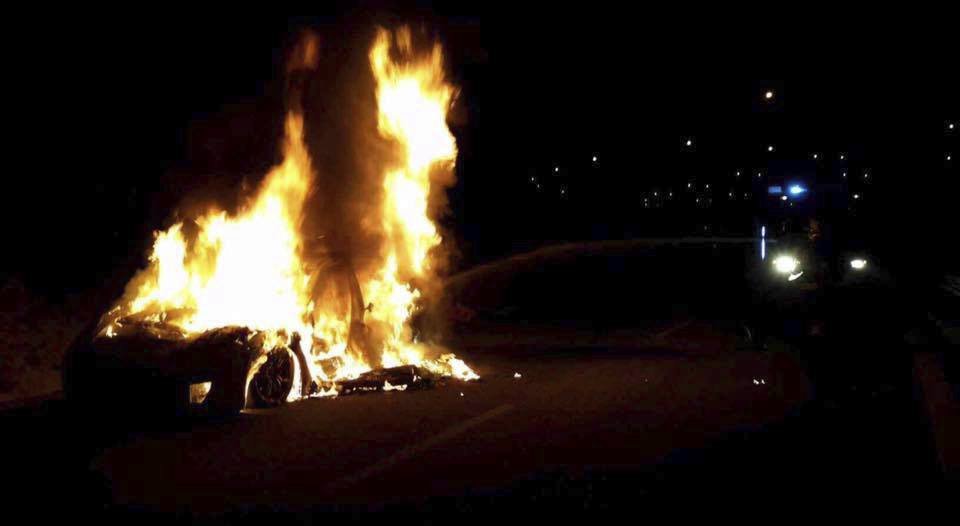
(670, 330)
(414, 450)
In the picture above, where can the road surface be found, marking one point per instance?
(592, 424)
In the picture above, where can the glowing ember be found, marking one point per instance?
(248, 269)
(199, 392)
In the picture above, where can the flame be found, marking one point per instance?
(240, 271)
(248, 269)
(413, 98)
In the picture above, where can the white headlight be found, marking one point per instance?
(858, 264)
(786, 264)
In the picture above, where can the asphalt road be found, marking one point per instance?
(590, 424)
(572, 409)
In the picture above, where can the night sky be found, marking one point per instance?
(123, 121)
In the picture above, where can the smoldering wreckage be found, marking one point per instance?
(234, 310)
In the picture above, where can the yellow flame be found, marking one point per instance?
(413, 99)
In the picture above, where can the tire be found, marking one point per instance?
(272, 382)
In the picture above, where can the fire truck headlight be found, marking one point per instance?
(786, 264)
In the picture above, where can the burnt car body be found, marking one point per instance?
(151, 369)
(155, 369)
(143, 364)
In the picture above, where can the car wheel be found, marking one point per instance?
(272, 382)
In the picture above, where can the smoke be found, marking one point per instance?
(342, 217)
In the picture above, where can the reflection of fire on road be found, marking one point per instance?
(249, 269)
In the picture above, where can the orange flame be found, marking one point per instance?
(243, 270)
(248, 269)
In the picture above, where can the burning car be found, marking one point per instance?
(151, 362)
(238, 308)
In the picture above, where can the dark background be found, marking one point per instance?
(117, 122)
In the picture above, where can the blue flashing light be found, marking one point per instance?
(797, 190)
(763, 242)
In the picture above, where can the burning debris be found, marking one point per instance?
(310, 322)
(392, 379)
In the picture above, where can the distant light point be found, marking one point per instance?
(768, 95)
